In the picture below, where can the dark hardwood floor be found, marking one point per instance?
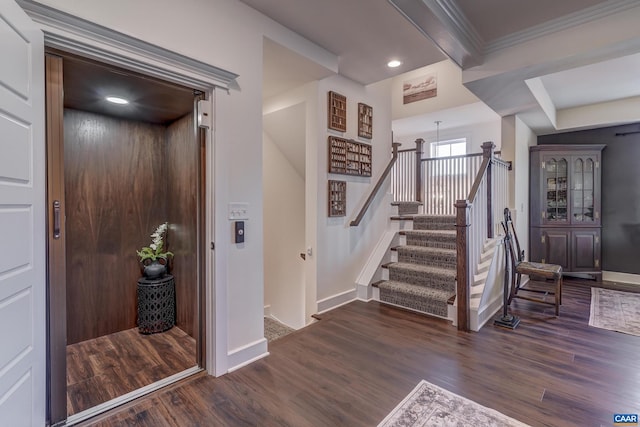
(107, 367)
(357, 363)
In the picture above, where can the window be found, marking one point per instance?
(439, 165)
(452, 147)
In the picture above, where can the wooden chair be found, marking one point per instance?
(551, 273)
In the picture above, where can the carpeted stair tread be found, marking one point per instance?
(431, 238)
(423, 275)
(407, 208)
(439, 233)
(426, 300)
(434, 222)
(402, 218)
(425, 249)
(427, 269)
(424, 255)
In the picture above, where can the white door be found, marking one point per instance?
(22, 220)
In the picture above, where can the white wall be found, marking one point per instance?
(451, 92)
(517, 137)
(343, 250)
(284, 236)
(339, 251)
(476, 134)
(228, 35)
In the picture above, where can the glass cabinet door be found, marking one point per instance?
(582, 190)
(555, 182)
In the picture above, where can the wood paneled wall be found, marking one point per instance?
(182, 156)
(119, 187)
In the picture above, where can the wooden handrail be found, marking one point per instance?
(377, 187)
(460, 156)
(476, 184)
(505, 163)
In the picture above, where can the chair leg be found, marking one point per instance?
(558, 295)
(560, 290)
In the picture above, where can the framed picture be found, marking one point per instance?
(424, 87)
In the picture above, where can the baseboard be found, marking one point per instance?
(247, 354)
(486, 313)
(363, 292)
(613, 276)
(335, 301)
(267, 310)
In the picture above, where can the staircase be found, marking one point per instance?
(424, 276)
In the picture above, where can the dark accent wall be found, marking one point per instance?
(620, 192)
(183, 161)
(118, 188)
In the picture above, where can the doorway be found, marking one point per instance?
(115, 173)
(284, 188)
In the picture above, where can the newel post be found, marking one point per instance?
(463, 221)
(419, 178)
(487, 153)
(394, 149)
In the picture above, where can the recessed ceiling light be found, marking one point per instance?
(394, 63)
(117, 100)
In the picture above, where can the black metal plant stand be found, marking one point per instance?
(156, 304)
(506, 320)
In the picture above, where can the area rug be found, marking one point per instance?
(430, 405)
(615, 310)
(274, 329)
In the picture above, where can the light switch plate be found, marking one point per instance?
(238, 211)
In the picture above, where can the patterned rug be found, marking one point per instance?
(274, 329)
(615, 310)
(430, 405)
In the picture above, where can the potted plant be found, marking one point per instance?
(154, 258)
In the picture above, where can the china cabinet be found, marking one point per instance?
(564, 216)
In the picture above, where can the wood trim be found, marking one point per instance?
(476, 184)
(506, 163)
(487, 153)
(377, 187)
(76, 35)
(462, 260)
(419, 173)
(461, 156)
(56, 292)
(201, 327)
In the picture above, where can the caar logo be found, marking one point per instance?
(625, 419)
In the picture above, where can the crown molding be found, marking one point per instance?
(448, 11)
(445, 24)
(584, 16)
(72, 34)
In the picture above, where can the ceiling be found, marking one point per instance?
(88, 83)
(366, 34)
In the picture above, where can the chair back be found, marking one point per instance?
(511, 231)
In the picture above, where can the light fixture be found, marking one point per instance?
(394, 63)
(437, 122)
(117, 100)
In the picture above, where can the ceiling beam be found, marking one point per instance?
(443, 23)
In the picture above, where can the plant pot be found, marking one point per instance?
(154, 270)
